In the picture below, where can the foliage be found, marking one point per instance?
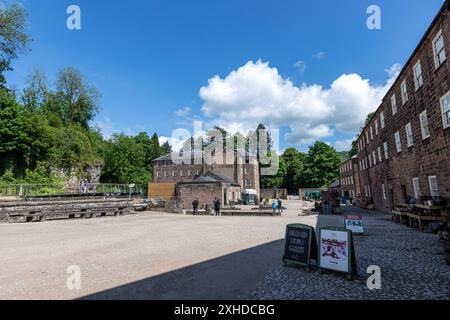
(320, 166)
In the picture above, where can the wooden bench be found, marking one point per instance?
(415, 217)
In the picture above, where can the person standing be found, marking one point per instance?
(195, 206)
(274, 206)
(280, 206)
(217, 207)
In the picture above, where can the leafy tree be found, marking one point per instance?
(13, 39)
(275, 181)
(125, 161)
(320, 166)
(294, 169)
(80, 100)
(166, 148)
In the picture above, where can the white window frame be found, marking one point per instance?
(445, 114)
(404, 89)
(418, 77)
(374, 155)
(376, 127)
(383, 188)
(438, 59)
(382, 120)
(394, 105)
(416, 188)
(386, 150)
(434, 188)
(380, 156)
(398, 142)
(409, 135)
(424, 125)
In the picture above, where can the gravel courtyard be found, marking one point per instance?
(165, 256)
(412, 267)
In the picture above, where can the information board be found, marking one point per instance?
(301, 245)
(354, 223)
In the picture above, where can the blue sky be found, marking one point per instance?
(309, 68)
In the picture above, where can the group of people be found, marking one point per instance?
(216, 205)
(277, 205)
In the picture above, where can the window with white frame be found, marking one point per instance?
(445, 108)
(158, 174)
(371, 133)
(165, 173)
(398, 142)
(173, 173)
(418, 76)
(367, 137)
(374, 155)
(404, 92)
(409, 135)
(370, 161)
(386, 150)
(416, 187)
(394, 105)
(424, 125)
(376, 127)
(380, 157)
(434, 191)
(439, 49)
(382, 120)
(383, 187)
(181, 173)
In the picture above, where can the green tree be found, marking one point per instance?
(275, 181)
(80, 100)
(13, 40)
(320, 166)
(294, 169)
(125, 161)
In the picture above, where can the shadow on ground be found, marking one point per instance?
(232, 276)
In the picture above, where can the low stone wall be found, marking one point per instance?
(38, 211)
(274, 193)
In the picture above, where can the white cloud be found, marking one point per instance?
(106, 127)
(342, 145)
(300, 66)
(175, 143)
(183, 112)
(257, 93)
(319, 55)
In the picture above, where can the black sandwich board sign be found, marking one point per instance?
(301, 245)
(337, 251)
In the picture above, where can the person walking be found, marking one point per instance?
(195, 206)
(280, 206)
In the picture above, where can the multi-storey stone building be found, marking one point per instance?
(404, 152)
(349, 179)
(199, 175)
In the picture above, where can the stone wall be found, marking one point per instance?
(274, 193)
(204, 191)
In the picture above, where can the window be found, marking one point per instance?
(380, 157)
(445, 108)
(424, 125)
(394, 105)
(374, 155)
(158, 174)
(370, 161)
(181, 173)
(367, 137)
(438, 49)
(371, 133)
(386, 150)
(382, 120)
(165, 173)
(376, 127)
(404, 92)
(433, 186)
(416, 187)
(398, 142)
(383, 187)
(418, 77)
(409, 135)
(173, 173)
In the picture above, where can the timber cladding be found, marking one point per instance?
(165, 191)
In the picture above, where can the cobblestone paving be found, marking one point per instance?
(412, 267)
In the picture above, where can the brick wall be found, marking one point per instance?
(426, 157)
(205, 192)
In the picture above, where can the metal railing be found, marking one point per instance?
(45, 190)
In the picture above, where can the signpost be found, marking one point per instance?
(327, 209)
(301, 245)
(336, 251)
(354, 224)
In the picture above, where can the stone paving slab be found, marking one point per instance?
(411, 262)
